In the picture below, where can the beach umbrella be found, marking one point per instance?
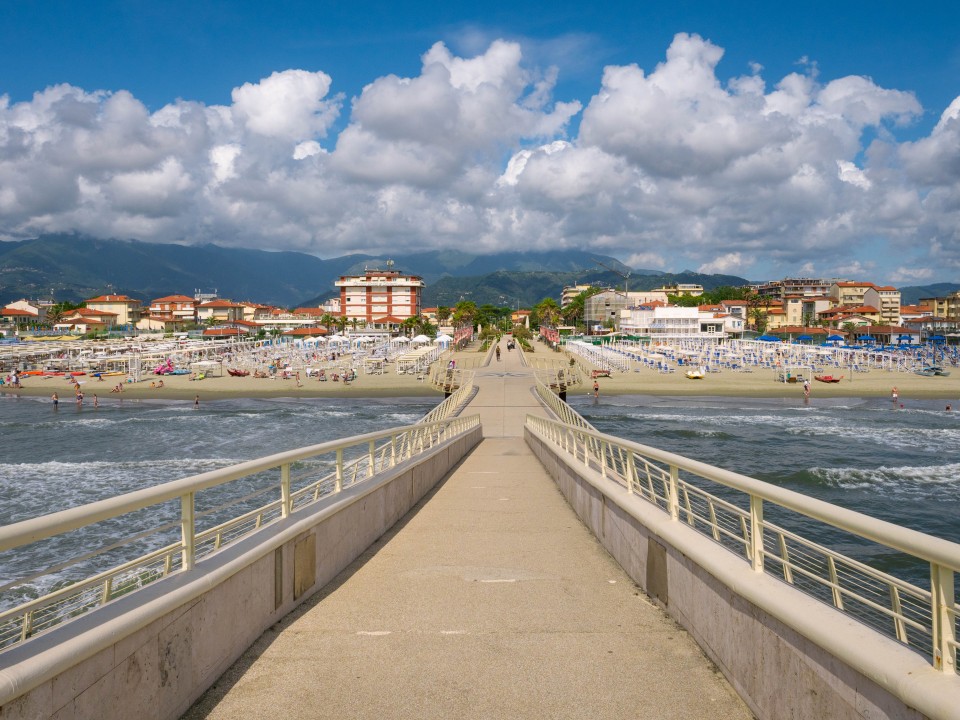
(421, 339)
(835, 338)
(769, 338)
(866, 338)
(804, 338)
(443, 337)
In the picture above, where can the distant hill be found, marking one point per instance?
(506, 288)
(911, 295)
(74, 267)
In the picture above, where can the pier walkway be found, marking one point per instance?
(489, 600)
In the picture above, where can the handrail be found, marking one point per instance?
(655, 476)
(375, 452)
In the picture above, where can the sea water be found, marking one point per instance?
(896, 464)
(869, 455)
(56, 458)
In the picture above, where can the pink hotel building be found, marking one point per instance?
(380, 297)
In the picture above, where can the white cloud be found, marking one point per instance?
(729, 264)
(288, 105)
(669, 165)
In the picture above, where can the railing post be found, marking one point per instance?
(944, 624)
(631, 471)
(285, 502)
(338, 485)
(371, 460)
(603, 459)
(187, 532)
(673, 498)
(756, 533)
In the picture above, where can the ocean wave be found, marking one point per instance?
(907, 479)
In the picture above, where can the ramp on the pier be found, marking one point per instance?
(489, 600)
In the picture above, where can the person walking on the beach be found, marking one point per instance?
(596, 389)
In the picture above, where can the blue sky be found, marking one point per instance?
(166, 127)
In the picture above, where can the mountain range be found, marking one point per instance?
(75, 267)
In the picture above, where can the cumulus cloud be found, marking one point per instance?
(672, 166)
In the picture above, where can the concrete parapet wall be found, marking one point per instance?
(151, 654)
(788, 655)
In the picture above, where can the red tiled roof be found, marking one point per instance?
(388, 319)
(173, 298)
(15, 312)
(87, 312)
(316, 311)
(113, 299)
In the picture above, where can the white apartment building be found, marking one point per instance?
(668, 322)
(380, 297)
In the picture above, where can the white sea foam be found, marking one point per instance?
(892, 480)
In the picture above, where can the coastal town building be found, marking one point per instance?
(174, 307)
(570, 292)
(947, 306)
(219, 311)
(380, 298)
(849, 293)
(20, 314)
(603, 310)
(125, 309)
(682, 289)
(669, 322)
(804, 287)
(86, 319)
(887, 301)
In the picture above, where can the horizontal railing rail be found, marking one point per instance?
(456, 401)
(920, 618)
(306, 475)
(562, 410)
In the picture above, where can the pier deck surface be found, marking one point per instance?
(489, 600)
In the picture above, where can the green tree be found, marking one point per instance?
(443, 314)
(545, 312)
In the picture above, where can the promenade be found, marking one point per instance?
(489, 600)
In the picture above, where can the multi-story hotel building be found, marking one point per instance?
(380, 297)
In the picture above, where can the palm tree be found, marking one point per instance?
(328, 321)
(409, 325)
(443, 314)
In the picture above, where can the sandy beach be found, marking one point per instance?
(645, 381)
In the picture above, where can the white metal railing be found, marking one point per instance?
(455, 402)
(305, 476)
(562, 410)
(923, 619)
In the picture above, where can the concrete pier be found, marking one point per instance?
(490, 599)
